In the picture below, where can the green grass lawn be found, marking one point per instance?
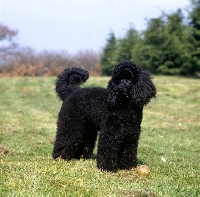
(169, 144)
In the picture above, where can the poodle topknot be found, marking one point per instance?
(115, 112)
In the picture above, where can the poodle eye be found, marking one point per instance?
(125, 80)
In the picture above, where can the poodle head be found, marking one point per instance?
(130, 84)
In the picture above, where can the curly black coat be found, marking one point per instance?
(115, 111)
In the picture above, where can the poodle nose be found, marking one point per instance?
(124, 85)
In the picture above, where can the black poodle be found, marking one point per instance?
(116, 112)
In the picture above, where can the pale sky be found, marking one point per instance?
(74, 25)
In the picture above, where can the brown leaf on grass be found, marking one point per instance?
(39, 143)
(4, 151)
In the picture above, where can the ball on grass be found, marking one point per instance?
(143, 170)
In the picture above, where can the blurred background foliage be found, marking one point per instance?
(169, 45)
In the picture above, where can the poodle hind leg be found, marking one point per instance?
(89, 139)
(68, 138)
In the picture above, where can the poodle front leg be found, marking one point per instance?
(128, 153)
(108, 153)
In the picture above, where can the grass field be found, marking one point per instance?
(169, 144)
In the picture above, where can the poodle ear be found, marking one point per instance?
(113, 95)
(144, 90)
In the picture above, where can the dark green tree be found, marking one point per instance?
(126, 45)
(107, 57)
(169, 45)
(166, 47)
(148, 51)
(194, 18)
(176, 55)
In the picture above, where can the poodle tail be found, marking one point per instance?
(69, 80)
